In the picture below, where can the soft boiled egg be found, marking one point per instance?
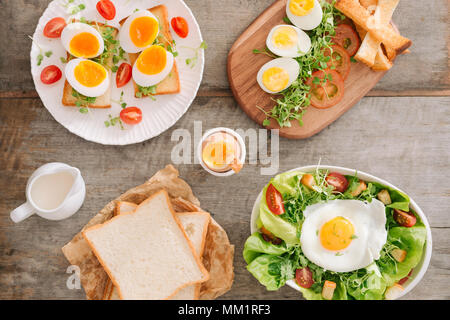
(304, 14)
(152, 66)
(139, 31)
(344, 235)
(87, 77)
(278, 74)
(82, 40)
(288, 41)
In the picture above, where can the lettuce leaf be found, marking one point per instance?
(256, 246)
(370, 286)
(272, 271)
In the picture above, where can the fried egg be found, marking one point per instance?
(152, 66)
(139, 31)
(278, 74)
(304, 14)
(288, 41)
(82, 40)
(344, 235)
(87, 77)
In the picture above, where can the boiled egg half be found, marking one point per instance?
(304, 14)
(344, 235)
(152, 66)
(278, 74)
(82, 40)
(139, 31)
(288, 41)
(87, 77)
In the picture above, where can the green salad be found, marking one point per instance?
(274, 253)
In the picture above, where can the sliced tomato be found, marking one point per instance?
(274, 200)
(50, 74)
(338, 181)
(403, 280)
(339, 59)
(304, 277)
(123, 75)
(54, 27)
(347, 38)
(326, 88)
(405, 219)
(270, 237)
(106, 9)
(180, 26)
(131, 115)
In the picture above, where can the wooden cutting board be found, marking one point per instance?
(243, 65)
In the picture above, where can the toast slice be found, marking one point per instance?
(152, 243)
(196, 226)
(103, 101)
(171, 84)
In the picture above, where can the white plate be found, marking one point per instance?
(158, 115)
(418, 271)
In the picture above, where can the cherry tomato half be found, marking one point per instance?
(123, 75)
(50, 74)
(131, 115)
(326, 88)
(340, 59)
(347, 38)
(180, 26)
(274, 200)
(270, 237)
(106, 9)
(54, 27)
(304, 277)
(338, 181)
(405, 219)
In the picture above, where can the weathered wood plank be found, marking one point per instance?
(425, 68)
(403, 140)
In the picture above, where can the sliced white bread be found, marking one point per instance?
(150, 242)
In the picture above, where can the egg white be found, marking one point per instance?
(87, 91)
(308, 22)
(124, 33)
(72, 29)
(368, 219)
(290, 65)
(145, 80)
(302, 46)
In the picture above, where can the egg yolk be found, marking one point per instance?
(143, 31)
(337, 234)
(84, 45)
(218, 154)
(301, 7)
(275, 79)
(90, 74)
(284, 38)
(152, 60)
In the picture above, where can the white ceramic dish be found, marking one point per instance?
(418, 271)
(158, 115)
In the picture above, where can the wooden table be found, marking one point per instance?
(400, 132)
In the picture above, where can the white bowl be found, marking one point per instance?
(418, 271)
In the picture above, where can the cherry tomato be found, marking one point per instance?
(340, 59)
(180, 26)
(274, 200)
(326, 88)
(270, 237)
(106, 9)
(403, 280)
(131, 115)
(54, 27)
(304, 277)
(347, 38)
(50, 74)
(338, 181)
(123, 75)
(405, 219)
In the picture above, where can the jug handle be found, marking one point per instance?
(21, 213)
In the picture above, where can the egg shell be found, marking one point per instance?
(303, 45)
(72, 29)
(145, 80)
(290, 65)
(124, 33)
(96, 91)
(309, 21)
